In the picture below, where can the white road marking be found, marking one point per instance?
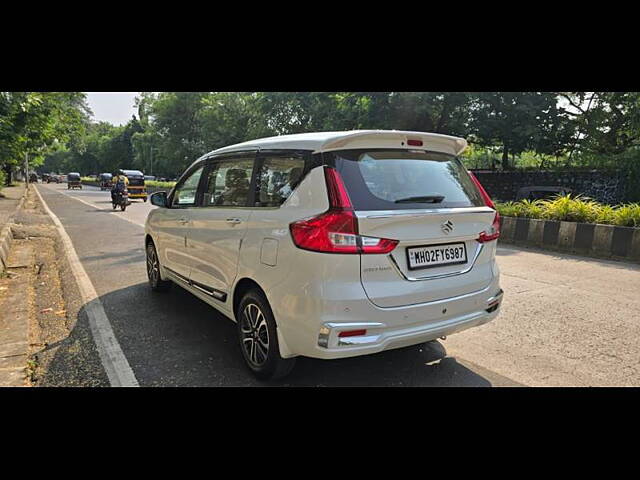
(113, 359)
(96, 207)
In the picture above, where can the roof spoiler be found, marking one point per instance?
(396, 139)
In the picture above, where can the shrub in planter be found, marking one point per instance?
(565, 208)
(628, 215)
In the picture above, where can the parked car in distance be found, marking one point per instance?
(52, 178)
(541, 192)
(149, 178)
(330, 244)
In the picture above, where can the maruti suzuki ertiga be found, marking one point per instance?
(331, 244)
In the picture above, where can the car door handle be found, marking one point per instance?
(234, 221)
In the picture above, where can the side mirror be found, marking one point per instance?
(159, 199)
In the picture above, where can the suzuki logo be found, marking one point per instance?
(447, 227)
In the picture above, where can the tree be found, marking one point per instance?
(518, 121)
(607, 123)
(35, 122)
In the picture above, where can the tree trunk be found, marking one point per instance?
(8, 171)
(505, 158)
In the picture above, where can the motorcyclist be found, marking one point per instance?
(120, 184)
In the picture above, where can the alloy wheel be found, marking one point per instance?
(153, 266)
(255, 335)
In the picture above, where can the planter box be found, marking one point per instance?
(602, 241)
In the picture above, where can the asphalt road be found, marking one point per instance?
(562, 323)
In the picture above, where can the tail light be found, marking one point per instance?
(336, 230)
(494, 231)
(485, 196)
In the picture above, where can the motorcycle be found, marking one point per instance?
(121, 199)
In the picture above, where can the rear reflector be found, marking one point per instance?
(414, 143)
(352, 333)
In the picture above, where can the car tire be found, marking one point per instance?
(258, 338)
(153, 270)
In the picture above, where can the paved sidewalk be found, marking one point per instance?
(16, 300)
(15, 292)
(9, 202)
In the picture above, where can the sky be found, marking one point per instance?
(117, 107)
(113, 107)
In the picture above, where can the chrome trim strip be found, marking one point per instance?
(355, 325)
(182, 278)
(396, 267)
(364, 340)
(423, 212)
(216, 294)
(496, 298)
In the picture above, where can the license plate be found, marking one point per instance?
(436, 255)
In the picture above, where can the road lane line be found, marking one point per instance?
(113, 359)
(95, 206)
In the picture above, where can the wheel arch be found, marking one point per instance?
(244, 285)
(147, 240)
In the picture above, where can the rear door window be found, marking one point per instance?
(277, 178)
(405, 179)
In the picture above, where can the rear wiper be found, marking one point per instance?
(423, 199)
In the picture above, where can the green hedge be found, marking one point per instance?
(153, 183)
(148, 183)
(573, 209)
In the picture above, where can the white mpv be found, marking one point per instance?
(331, 244)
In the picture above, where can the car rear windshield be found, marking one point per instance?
(405, 179)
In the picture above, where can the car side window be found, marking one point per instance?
(185, 194)
(277, 178)
(229, 183)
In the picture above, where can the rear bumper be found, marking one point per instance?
(137, 192)
(310, 325)
(380, 336)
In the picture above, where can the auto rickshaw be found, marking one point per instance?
(106, 181)
(74, 181)
(137, 188)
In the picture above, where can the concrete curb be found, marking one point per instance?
(594, 240)
(6, 234)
